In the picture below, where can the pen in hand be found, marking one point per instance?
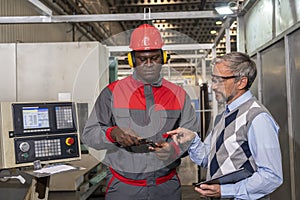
(166, 136)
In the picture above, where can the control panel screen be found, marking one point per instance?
(35, 117)
(44, 118)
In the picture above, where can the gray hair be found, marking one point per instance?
(240, 65)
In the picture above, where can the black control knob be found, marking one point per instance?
(70, 151)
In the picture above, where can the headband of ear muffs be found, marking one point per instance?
(132, 63)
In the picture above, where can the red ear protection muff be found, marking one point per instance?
(132, 63)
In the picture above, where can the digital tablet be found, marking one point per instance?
(231, 177)
(148, 142)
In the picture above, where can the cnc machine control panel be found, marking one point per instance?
(45, 131)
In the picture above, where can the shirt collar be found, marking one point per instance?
(240, 100)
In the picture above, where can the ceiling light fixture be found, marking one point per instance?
(229, 9)
(224, 10)
(213, 32)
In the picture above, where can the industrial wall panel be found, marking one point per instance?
(259, 31)
(10, 33)
(254, 87)
(7, 72)
(285, 14)
(297, 7)
(21, 33)
(89, 82)
(295, 82)
(12, 7)
(274, 97)
(104, 60)
(47, 70)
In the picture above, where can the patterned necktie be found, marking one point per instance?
(227, 110)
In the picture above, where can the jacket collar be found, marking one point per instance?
(154, 84)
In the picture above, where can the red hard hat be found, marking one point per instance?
(146, 37)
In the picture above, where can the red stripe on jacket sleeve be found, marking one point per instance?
(108, 131)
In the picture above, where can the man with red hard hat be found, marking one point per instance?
(131, 115)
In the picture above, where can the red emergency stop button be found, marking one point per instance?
(70, 141)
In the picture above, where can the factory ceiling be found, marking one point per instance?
(181, 22)
(197, 29)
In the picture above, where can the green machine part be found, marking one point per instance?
(113, 69)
